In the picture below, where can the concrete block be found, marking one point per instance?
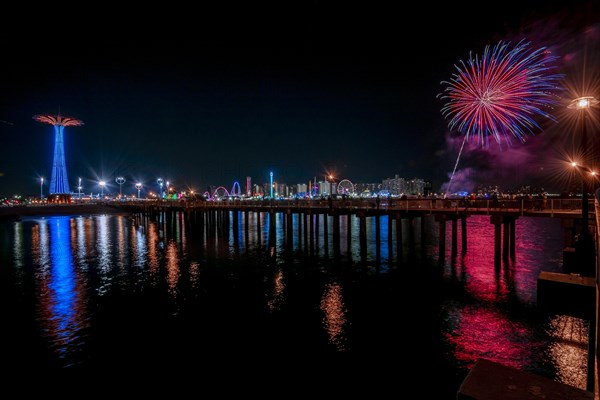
(488, 380)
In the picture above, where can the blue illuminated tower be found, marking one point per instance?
(59, 182)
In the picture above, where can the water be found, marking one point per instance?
(104, 293)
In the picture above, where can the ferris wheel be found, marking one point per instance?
(345, 187)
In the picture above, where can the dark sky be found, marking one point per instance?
(209, 96)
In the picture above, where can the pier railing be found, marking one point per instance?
(483, 206)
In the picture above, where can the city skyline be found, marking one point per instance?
(302, 96)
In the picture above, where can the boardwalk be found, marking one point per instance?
(314, 215)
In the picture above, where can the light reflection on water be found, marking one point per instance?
(61, 299)
(246, 278)
(334, 319)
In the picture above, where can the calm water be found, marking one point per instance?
(110, 293)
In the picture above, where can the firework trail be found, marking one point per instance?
(501, 93)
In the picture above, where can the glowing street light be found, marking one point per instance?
(102, 184)
(138, 186)
(120, 181)
(585, 243)
(42, 188)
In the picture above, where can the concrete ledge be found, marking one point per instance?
(566, 294)
(488, 380)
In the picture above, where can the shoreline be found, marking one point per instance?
(17, 212)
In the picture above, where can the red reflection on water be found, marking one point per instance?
(485, 333)
(484, 327)
(538, 247)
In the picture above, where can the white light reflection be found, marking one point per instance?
(139, 245)
(277, 296)
(568, 350)
(18, 245)
(334, 320)
(81, 247)
(194, 274)
(122, 243)
(103, 244)
(40, 248)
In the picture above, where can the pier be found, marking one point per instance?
(405, 218)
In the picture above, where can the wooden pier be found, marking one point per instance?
(405, 219)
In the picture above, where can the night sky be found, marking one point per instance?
(209, 96)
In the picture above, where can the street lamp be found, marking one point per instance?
(120, 181)
(102, 184)
(168, 188)
(585, 243)
(79, 188)
(138, 186)
(42, 188)
(160, 183)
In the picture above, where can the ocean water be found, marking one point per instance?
(92, 295)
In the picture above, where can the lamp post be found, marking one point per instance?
(41, 188)
(160, 184)
(102, 184)
(120, 181)
(79, 188)
(138, 186)
(585, 245)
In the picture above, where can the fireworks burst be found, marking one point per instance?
(501, 93)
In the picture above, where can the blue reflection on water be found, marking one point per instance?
(62, 305)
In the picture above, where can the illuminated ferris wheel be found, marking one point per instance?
(345, 187)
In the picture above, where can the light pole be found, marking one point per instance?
(79, 188)
(138, 186)
(585, 244)
(167, 189)
(120, 181)
(41, 188)
(160, 184)
(271, 175)
(102, 184)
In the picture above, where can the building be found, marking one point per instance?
(395, 186)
